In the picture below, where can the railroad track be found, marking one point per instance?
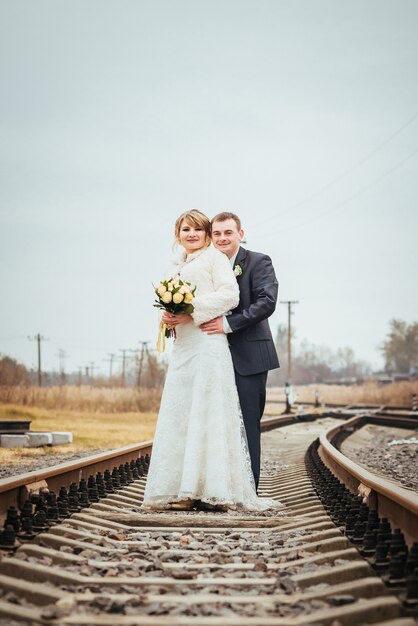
(326, 559)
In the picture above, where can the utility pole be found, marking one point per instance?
(38, 338)
(154, 369)
(144, 349)
(62, 355)
(134, 355)
(92, 368)
(124, 351)
(289, 350)
(112, 356)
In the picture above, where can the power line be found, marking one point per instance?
(76, 346)
(355, 195)
(340, 176)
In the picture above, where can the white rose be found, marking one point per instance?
(161, 289)
(188, 298)
(177, 298)
(167, 297)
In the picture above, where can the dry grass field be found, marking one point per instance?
(103, 418)
(91, 430)
(393, 394)
(82, 398)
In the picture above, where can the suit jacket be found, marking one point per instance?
(251, 343)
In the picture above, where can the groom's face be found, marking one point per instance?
(226, 237)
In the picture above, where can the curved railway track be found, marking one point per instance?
(331, 557)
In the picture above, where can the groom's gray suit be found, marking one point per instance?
(251, 343)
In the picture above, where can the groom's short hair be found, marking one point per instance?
(225, 215)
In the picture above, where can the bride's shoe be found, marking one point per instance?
(213, 508)
(182, 505)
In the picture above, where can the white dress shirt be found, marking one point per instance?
(227, 328)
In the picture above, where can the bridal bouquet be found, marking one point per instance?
(174, 296)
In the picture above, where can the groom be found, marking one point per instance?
(252, 347)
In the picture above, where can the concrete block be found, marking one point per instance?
(39, 439)
(14, 441)
(60, 438)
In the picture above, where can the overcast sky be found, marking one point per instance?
(116, 116)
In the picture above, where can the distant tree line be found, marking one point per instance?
(148, 372)
(12, 372)
(400, 349)
(315, 364)
(310, 364)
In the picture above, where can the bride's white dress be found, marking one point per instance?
(200, 449)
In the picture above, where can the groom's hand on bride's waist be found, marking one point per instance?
(213, 327)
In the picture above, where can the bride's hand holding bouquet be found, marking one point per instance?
(175, 299)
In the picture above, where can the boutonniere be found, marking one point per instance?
(237, 270)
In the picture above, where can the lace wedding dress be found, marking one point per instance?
(200, 449)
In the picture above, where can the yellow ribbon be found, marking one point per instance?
(161, 338)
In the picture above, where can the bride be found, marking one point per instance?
(200, 452)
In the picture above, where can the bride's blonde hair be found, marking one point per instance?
(196, 218)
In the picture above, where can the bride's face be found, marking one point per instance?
(192, 237)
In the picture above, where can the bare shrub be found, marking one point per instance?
(12, 372)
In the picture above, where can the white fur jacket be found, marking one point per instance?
(216, 286)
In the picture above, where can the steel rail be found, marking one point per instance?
(86, 569)
(15, 490)
(353, 405)
(302, 558)
(391, 500)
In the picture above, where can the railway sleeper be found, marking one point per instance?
(358, 589)
(87, 520)
(63, 558)
(321, 542)
(285, 581)
(90, 523)
(58, 575)
(371, 611)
